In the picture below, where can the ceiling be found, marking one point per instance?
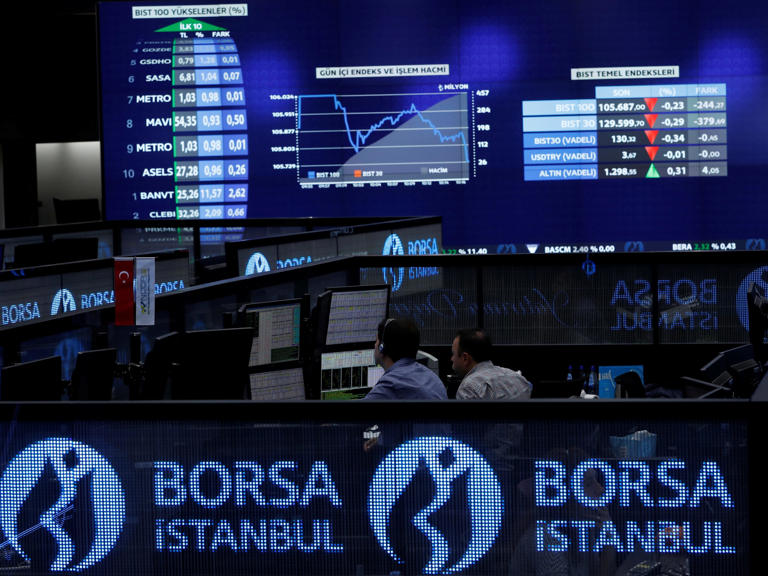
(50, 73)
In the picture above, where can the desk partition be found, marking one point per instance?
(414, 236)
(204, 239)
(662, 298)
(672, 310)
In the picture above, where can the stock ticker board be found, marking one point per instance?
(632, 142)
(665, 131)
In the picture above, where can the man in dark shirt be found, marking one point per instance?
(397, 343)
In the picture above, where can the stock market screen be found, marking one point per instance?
(528, 127)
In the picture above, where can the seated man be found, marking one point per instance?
(481, 379)
(397, 343)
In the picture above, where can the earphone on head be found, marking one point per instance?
(383, 332)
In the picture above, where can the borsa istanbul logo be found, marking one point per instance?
(71, 462)
(458, 477)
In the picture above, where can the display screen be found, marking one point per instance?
(479, 494)
(278, 385)
(354, 315)
(276, 332)
(349, 374)
(526, 126)
(290, 252)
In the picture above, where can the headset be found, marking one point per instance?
(383, 332)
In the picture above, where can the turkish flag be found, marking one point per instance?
(124, 301)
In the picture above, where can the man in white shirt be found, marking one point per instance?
(481, 379)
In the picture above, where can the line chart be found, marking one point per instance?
(382, 138)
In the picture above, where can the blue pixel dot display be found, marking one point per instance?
(445, 460)
(71, 462)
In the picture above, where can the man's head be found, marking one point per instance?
(397, 338)
(470, 346)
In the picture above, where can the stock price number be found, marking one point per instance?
(619, 171)
(185, 121)
(235, 211)
(187, 194)
(677, 171)
(621, 123)
(187, 213)
(213, 212)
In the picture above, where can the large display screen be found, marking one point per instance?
(533, 127)
(480, 493)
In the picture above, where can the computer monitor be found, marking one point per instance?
(157, 367)
(348, 374)
(277, 328)
(725, 359)
(732, 373)
(276, 364)
(350, 314)
(286, 384)
(94, 374)
(212, 365)
(34, 380)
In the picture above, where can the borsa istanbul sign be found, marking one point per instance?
(302, 507)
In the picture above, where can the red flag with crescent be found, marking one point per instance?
(124, 299)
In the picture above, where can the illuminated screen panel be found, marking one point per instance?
(401, 240)
(256, 260)
(355, 315)
(348, 374)
(88, 289)
(32, 299)
(624, 142)
(568, 304)
(276, 333)
(246, 495)
(212, 239)
(278, 385)
(704, 303)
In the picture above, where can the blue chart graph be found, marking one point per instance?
(383, 138)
